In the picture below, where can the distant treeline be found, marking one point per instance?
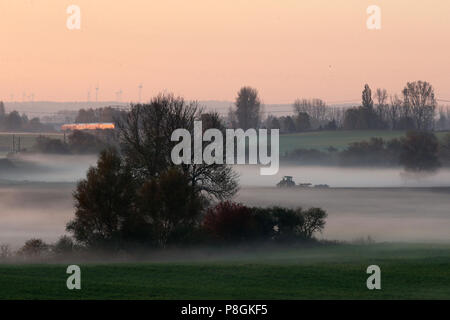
(417, 109)
(77, 142)
(105, 114)
(15, 122)
(417, 151)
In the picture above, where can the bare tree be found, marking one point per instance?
(315, 108)
(394, 111)
(382, 106)
(419, 98)
(146, 144)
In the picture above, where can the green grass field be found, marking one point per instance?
(331, 272)
(321, 140)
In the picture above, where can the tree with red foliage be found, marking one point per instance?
(230, 221)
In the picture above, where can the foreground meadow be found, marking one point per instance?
(408, 271)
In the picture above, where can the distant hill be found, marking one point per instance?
(47, 108)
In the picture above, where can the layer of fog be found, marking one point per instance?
(34, 210)
(411, 215)
(337, 177)
(63, 168)
(381, 203)
(49, 168)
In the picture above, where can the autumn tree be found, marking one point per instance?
(104, 203)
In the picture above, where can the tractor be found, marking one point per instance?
(286, 182)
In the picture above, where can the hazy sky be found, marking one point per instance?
(207, 49)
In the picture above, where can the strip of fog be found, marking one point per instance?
(344, 177)
(381, 203)
(48, 168)
(385, 214)
(34, 210)
(415, 215)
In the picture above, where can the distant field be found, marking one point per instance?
(321, 140)
(27, 140)
(337, 272)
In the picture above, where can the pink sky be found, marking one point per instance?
(208, 49)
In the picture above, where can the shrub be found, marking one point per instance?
(5, 251)
(444, 149)
(313, 221)
(34, 248)
(420, 152)
(230, 222)
(85, 143)
(49, 145)
(64, 245)
(287, 222)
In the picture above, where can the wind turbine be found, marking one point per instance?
(119, 95)
(96, 93)
(140, 92)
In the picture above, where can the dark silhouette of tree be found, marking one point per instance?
(419, 98)
(303, 121)
(13, 121)
(49, 145)
(64, 245)
(313, 221)
(230, 222)
(2, 110)
(34, 248)
(146, 143)
(85, 143)
(106, 114)
(420, 152)
(288, 125)
(367, 101)
(394, 110)
(248, 107)
(316, 109)
(444, 149)
(104, 203)
(171, 205)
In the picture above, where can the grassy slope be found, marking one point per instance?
(338, 272)
(315, 140)
(339, 139)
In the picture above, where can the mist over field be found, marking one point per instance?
(381, 203)
(49, 168)
(348, 177)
